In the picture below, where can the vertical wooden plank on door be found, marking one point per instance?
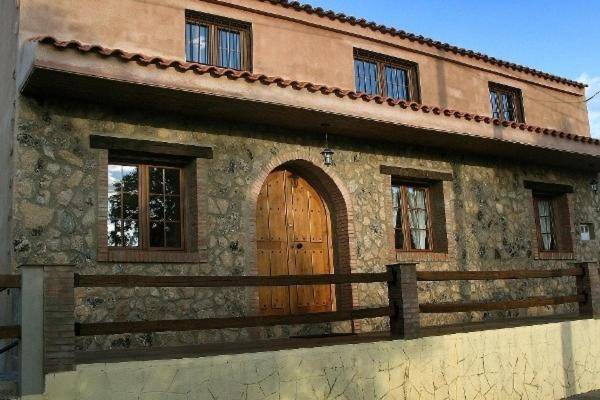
(302, 296)
(319, 233)
(263, 252)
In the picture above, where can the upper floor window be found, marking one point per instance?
(377, 74)
(506, 102)
(219, 41)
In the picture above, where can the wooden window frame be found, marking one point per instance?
(517, 97)
(406, 231)
(214, 23)
(382, 61)
(193, 160)
(555, 234)
(143, 206)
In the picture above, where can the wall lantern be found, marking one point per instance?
(594, 185)
(327, 153)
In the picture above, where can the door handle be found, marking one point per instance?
(299, 246)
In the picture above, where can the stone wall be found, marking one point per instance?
(56, 210)
(542, 362)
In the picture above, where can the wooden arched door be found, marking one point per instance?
(293, 238)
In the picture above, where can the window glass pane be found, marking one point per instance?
(397, 83)
(156, 208)
(115, 206)
(366, 77)
(546, 224)
(417, 218)
(157, 234)
(397, 216)
(508, 107)
(172, 181)
(164, 207)
(156, 180)
(173, 234)
(495, 104)
(172, 212)
(115, 233)
(196, 43)
(130, 206)
(131, 233)
(123, 206)
(230, 55)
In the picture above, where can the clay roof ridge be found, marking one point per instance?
(332, 15)
(250, 77)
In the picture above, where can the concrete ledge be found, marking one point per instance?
(550, 361)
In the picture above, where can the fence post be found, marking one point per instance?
(47, 324)
(32, 328)
(59, 318)
(589, 286)
(404, 301)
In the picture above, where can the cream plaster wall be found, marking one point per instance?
(536, 362)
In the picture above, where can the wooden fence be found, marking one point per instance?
(13, 331)
(403, 309)
(52, 288)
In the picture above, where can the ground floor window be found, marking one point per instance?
(411, 216)
(144, 206)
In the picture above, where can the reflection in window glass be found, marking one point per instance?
(164, 207)
(365, 74)
(397, 83)
(196, 43)
(417, 217)
(230, 55)
(123, 206)
(411, 219)
(546, 224)
(397, 216)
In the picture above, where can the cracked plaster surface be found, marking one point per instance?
(537, 362)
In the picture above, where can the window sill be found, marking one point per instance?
(135, 256)
(421, 256)
(554, 255)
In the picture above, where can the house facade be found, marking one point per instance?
(205, 137)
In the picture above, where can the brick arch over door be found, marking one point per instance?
(334, 192)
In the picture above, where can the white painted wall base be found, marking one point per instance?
(549, 361)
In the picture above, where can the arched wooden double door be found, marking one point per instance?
(293, 238)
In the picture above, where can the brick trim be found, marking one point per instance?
(327, 183)
(552, 255)
(396, 256)
(197, 172)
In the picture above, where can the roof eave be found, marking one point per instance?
(138, 80)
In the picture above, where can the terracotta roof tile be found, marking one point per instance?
(218, 72)
(420, 39)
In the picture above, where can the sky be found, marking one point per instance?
(556, 36)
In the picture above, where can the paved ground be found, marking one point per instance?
(595, 395)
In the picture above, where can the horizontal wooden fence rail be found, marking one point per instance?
(10, 332)
(225, 281)
(10, 281)
(433, 276)
(110, 328)
(452, 307)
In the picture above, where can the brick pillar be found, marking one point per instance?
(589, 286)
(59, 319)
(47, 324)
(404, 301)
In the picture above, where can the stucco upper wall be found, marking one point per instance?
(302, 46)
